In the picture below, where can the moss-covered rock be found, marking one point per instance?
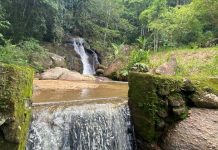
(154, 101)
(205, 94)
(157, 102)
(15, 112)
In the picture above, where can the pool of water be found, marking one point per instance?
(59, 91)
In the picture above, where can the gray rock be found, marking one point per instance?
(58, 61)
(162, 113)
(100, 66)
(205, 100)
(179, 111)
(168, 68)
(65, 74)
(99, 71)
(176, 100)
(197, 132)
(113, 68)
(188, 86)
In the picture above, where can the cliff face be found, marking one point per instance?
(159, 102)
(15, 106)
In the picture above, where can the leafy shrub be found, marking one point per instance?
(138, 56)
(23, 53)
(117, 50)
(140, 67)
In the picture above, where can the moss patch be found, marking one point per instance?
(15, 112)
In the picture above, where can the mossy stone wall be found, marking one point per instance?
(157, 102)
(15, 112)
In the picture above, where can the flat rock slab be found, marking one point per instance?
(198, 132)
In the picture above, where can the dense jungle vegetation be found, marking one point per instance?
(146, 25)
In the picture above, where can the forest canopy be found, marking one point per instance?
(155, 23)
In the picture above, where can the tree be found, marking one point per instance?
(153, 18)
(4, 25)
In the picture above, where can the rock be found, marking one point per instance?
(10, 132)
(205, 100)
(2, 120)
(161, 125)
(58, 61)
(15, 92)
(100, 66)
(72, 59)
(113, 68)
(188, 87)
(75, 76)
(103, 79)
(99, 71)
(64, 74)
(180, 112)
(198, 132)
(163, 90)
(43, 62)
(53, 74)
(163, 114)
(168, 68)
(176, 100)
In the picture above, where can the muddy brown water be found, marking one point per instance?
(64, 91)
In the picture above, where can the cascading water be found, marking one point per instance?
(88, 68)
(85, 127)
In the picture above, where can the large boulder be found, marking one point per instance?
(53, 74)
(168, 68)
(58, 61)
(40, 62)
(198, 132)
(59, 73)
(75, 76)
(205, 100)
(113, 68)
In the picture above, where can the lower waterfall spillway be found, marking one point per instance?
(87, 127)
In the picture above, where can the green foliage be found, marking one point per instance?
(197, 25)
(117, 50)
(22, 53)
(138, 56)
(4, 25)
(152, 24)
(11, 54)
(140, 67)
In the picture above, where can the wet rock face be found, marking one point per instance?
(198, 132)
(72, 59)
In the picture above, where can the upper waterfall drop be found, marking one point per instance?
(88, 68)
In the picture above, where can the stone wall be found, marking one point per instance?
(15, 111)
(157, 102)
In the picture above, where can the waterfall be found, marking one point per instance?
(85, 127)
(88, 68)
